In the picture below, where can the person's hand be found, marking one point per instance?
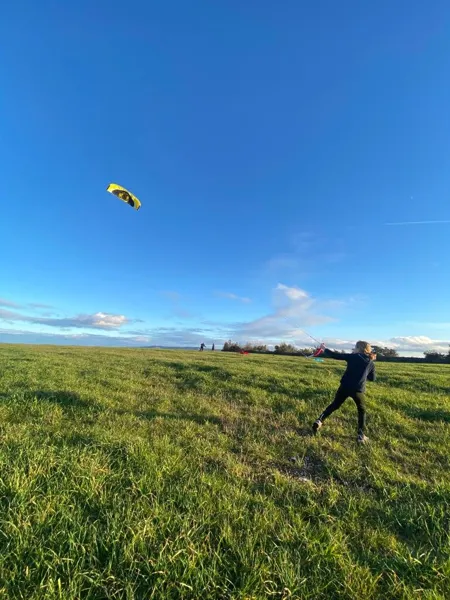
(373, 356)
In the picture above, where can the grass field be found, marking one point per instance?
(142, 474)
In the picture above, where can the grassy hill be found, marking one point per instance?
(164, 474)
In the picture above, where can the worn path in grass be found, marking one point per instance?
(162, 474)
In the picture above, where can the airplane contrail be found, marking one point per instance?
(419, 223)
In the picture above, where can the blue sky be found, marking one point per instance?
(269, 143)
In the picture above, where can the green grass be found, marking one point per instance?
(142, 474)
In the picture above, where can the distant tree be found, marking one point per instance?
(255, 348)
(285, 348)
(384, 352)
(231, 347)
(435, 357)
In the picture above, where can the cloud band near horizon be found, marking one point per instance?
(292, 309)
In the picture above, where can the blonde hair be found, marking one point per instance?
(363, 347)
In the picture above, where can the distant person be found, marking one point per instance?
(213, 347)
(202, 347)
(360, 368)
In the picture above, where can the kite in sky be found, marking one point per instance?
(124, 195)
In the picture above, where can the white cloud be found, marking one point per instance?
(235, 297)
(418, 343)
(292, 293)
(99, 320)
(104, 320)
(293, 308)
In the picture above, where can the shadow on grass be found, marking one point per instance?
(185, 377)
(191, 366)
(66, 399)
(191, 374)
(437, 415)
(62, 397)
(190, 377)
(432, 416)
(414, 385)
(72, 401)
(81, 440)
(206, 379)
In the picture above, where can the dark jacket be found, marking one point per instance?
(360, 368)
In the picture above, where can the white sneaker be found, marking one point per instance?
(317, 425)
(362, 439)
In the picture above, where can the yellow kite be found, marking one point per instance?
(124, 195)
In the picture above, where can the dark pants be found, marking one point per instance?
(341, 396)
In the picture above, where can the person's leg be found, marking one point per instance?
(339, 399)
(360, 401)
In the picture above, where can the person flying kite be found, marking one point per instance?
(360, 368)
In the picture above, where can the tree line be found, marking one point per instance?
(384, 354)
(282, 348)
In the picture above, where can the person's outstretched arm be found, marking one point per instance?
(335, 355)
